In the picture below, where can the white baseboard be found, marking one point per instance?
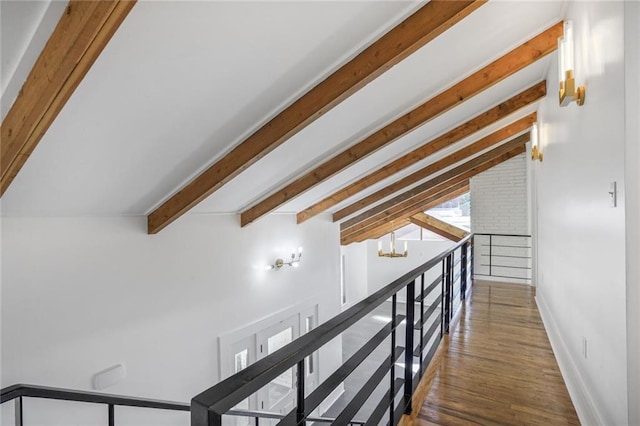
(585, 408)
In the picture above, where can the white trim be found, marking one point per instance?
(227, 339)
(583, 402)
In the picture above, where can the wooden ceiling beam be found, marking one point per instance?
(441, 178)
(400, 211)
(412, 202)
(438, 226)
(512, 62)
(414, 32)
(477, 123)
(83, 31)
(379, 230)
(468, 151)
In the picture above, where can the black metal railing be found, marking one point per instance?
(18, 393)
(209, 407)
(503, 256)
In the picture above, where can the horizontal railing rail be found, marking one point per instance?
(19, 391)
(33, 391)
(506, 256)
(208, 407)
(257, 415)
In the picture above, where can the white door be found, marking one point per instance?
(243, 354)
(279, 396)
(309, 321)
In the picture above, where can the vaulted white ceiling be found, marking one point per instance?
(181, 83)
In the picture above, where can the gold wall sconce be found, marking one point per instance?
(294, 261)
(392, 248)
(536, 152)
(569, 92)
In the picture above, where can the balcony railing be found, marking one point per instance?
(421, 324)
(453, 282)
(505, 256)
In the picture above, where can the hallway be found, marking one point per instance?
(498, 366)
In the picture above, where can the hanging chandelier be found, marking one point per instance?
(392, 248)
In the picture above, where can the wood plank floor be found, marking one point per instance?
(497, 367)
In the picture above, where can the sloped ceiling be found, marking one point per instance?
(181, 83)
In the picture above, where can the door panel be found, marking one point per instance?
(279, 395)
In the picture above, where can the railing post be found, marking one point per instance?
(421, 321)
(447, 293)
(442, 298)
(452, 274)
(112, 415)
(18, 411)
(463, 271)
(202, 416)
(408, 349)
(392, 367)
(300, 415)
(473, 255)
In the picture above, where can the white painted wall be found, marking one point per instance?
(383, 270)
(366, 272)
(632, 195)
(581, 254)
(355, 269)
(80, 295)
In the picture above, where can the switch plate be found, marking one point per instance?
(613, 194)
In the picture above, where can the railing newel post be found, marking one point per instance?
(442, 298)
(18, 411)
(392, 359)
(408, 349)
(300, 414)
(452, 275)
(421, 321)
(473, 256)
(112, 415)
(447, 294)
(463, 271)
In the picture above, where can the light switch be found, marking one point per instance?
(613, 194)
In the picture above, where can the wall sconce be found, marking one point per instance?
(295, 261)
(392, 248)
(536, 152)
(568, 90)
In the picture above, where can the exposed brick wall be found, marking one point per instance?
(499, 205)
(499, 199)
